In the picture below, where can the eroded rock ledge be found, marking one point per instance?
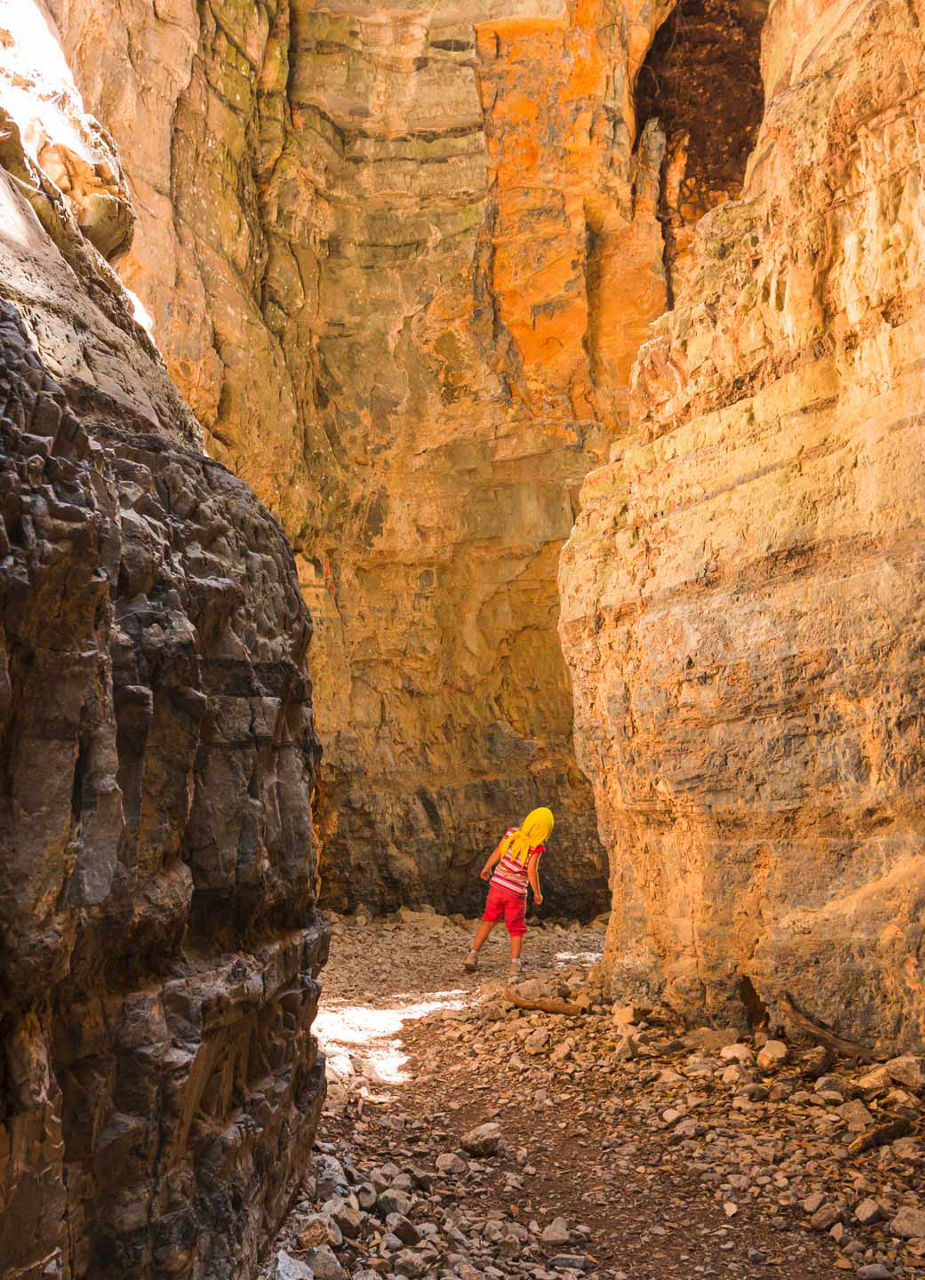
(159, 948)
(742, 600)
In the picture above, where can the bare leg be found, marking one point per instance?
(517, 945)
(481, 934)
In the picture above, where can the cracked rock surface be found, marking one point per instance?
(159, 947)
(741, 596)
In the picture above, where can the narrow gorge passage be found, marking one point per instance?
(464, 1137)
(410, 417)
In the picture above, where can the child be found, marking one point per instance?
(518, 861)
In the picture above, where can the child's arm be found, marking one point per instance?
(533, 875)
(495, 857)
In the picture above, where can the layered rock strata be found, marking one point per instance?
(159, 950)
(742, 596)
(400, 264)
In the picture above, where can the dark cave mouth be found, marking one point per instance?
(702, 81)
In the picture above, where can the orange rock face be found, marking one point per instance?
(397, 265)
(742, 594)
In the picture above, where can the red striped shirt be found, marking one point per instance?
(511, 874)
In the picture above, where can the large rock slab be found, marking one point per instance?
(160, 1085)
(742, 596)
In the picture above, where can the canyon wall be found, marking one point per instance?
(742, 596)
(159, 950)
(400, 263)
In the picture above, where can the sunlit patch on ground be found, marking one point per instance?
(577, 957)
(362, 1040)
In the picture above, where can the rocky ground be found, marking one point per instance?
(469, 1139)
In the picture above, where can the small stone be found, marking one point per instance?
(537, 1040)
(410, 1264)
(813, 1202)
(348, 1219)
(626, 1049)
(403, 1228)
(730, 1208)
(484, 1140)
(451, 1163)
(323, 1264)
(285, 1267)
(572, 1262)
(772, 1055)
(825, 1217)
(907, 1070)
(393, 1201)
(879, 1078)
(556, 1233)
(562, 1051)
(868, 1212)
(856, 1116)
(909, 1223)
(876, 1271)
(629, 1014)
(737, 1053)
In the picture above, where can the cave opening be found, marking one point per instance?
(702, 81)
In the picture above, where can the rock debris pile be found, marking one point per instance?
(607, 1140)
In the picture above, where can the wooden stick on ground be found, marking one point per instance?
(878, 1137)
(800, 1022)
(543, 1005)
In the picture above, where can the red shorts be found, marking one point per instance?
(502, 904)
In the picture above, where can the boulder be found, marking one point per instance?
(484, 1140)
